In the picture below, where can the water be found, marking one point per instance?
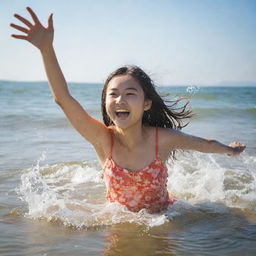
(52, 199)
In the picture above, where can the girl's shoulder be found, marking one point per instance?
(168, 133)
(169, 137)
(163, 133)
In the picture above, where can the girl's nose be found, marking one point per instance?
(119, 99)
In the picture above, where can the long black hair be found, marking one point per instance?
(162, 113)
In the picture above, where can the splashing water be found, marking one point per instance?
(74, 193)
(192, 89)
(199, 177)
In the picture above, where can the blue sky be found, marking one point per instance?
(177, 42)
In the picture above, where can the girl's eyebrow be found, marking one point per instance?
(129, 88)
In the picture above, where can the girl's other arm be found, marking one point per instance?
(188, 142)
(42, 37)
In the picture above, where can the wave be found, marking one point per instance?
(219, 111)
(191, 96)
(201, 177)
(14, 121)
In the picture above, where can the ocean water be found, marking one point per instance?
(52, 199)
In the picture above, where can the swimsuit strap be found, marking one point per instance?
(156, 143)
(112, 144)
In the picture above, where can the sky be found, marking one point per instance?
(184, 42)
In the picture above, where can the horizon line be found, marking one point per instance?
(220, 83)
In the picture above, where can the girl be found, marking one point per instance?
(139, 131)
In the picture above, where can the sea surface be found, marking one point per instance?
(52, 198)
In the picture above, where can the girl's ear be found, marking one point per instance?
(147, 104)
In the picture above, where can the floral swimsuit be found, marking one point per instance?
(144, 188)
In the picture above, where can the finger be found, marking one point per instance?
(19, 28)
(25, 21)
(50, 21)
(33, 15)
(20, 37)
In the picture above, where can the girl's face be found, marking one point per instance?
(125, 101)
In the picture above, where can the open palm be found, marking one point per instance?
(36, 34)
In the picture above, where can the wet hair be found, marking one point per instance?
(163, 113)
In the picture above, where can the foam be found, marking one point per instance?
(74, 193)
(198, 177)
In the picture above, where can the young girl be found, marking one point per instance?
(139, 131)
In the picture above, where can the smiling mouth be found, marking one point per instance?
(122, 113)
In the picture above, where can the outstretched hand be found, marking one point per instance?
(36, 34)
(236, 148)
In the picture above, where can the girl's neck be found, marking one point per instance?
(131, 136)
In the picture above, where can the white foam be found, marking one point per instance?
(192, 89)
(198, 177)
(74, 193)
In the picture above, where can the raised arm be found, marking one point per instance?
(180, 140)
(42, 37)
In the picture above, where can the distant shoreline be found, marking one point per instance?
(224, 84)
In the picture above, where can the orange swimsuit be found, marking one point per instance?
(144, 188)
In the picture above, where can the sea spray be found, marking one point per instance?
(36, 192)
(74, 193)
(241, 183)
(193, 89)
(198, 177)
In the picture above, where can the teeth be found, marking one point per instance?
(121, 111)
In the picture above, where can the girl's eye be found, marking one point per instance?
(112, 94)
(130, 93)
